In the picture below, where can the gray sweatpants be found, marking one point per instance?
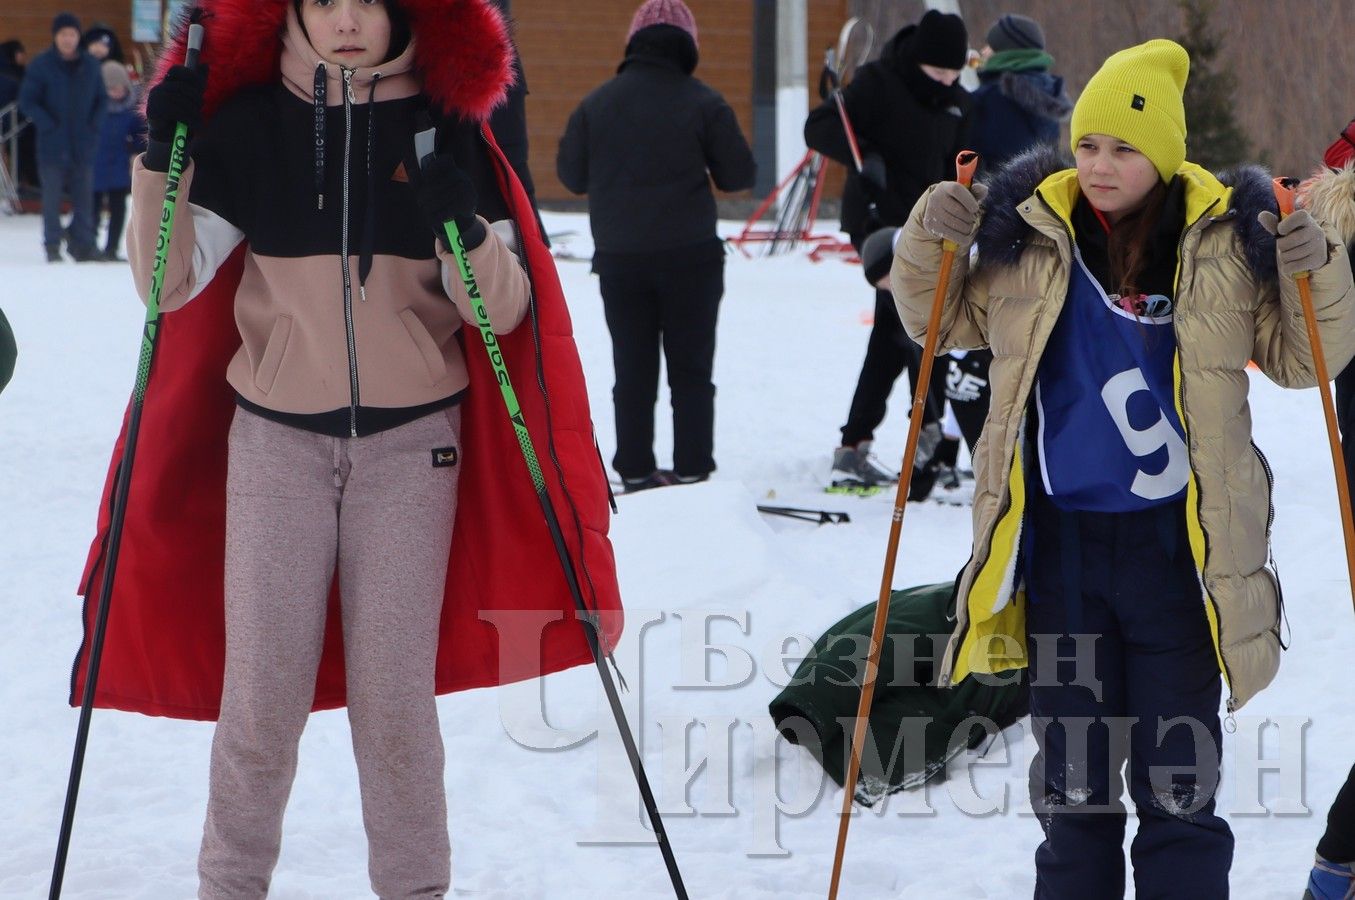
(299, 507)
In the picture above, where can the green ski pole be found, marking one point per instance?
(124, 478)
(424, 145)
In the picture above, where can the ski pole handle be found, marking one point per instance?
(1284, 194)
(966, 161)
(1284, 197)
(195, 33)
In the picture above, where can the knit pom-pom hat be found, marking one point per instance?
(663, 12)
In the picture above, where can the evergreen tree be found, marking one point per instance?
(1215, 139)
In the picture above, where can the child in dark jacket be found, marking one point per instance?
(123, 135)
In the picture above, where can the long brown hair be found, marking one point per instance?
(1130, 243)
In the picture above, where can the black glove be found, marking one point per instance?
(446, 193)
(873, 172)
(177, 98)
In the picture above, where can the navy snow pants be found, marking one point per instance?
(1146, 693)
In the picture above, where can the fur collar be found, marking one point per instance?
(1004, 233)
(1038, 93)
(1330, 196)
(461, 50)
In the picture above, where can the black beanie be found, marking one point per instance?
(65, 20)
(877, 254)
(940, 40)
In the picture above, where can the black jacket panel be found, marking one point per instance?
(645, 147)
(260, 147)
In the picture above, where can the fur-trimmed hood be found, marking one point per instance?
(1330, 196)
(1003, 234)
(1037, 93)
(461, 50)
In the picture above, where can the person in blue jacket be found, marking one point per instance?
(123, 135)
(1018, 103)
(63, 93)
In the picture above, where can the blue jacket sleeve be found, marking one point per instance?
(33, 98)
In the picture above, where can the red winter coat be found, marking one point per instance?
(508, 612)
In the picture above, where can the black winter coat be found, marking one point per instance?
(645, 147)
(916, 139)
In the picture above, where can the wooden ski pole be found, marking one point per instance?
(1284, 195)
(965, 164)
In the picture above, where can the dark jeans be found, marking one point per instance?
(117, 215)
(78, 183)
(888, 352)
(1128, 579)
(646, 308)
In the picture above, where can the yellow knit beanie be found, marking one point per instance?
(1136, 96)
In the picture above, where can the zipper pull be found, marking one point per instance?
(348, 86)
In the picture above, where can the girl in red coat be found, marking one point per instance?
(358, 422)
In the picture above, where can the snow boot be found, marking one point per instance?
(657, 478)
(927, 462)
(855, 470)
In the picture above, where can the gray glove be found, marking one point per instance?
(1300, 245)
(953, 211)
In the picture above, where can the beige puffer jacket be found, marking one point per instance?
(1230, 308)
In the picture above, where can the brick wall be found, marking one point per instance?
(570, 48)
(567, 50)
(31, 20)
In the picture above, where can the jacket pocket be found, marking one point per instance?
(427, 347)
(271, 361)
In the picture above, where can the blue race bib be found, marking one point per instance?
(1109, 437)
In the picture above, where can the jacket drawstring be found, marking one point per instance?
(367, 244)
(321, 77)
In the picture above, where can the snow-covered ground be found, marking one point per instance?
(540, 808)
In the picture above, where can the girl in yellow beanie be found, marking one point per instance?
(1119, 497)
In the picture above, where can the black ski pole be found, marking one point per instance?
(424, 145)
(124, 479)
(817, 516)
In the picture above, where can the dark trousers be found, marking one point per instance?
(1345, 417)
(676, 309)
(77, 181)
(888, 352)
(117, 215)
(1148, 694)
(968, 391)
(1338, 841)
